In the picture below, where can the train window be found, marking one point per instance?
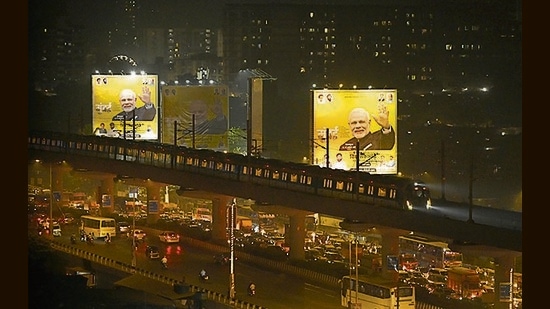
(293, 178)
(258, 172)
(305, 179)
(393, 193)
(204, 163)
(219, 166)
(276, 175)
(339, 185)
(349, 187)
(382, 192)
(370, 190)
(267, 172)
(229, 167)
(284, 176)
(327, 183)
(361, 188)
(245, 170)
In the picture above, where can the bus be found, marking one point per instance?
(430, 253)
(98, 226)
(375, 293)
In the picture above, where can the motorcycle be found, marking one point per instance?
(203, 275)
(164, 262)
(251, 289)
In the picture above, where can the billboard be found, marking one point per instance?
(198, 115)
(345, 119)
(125, 105)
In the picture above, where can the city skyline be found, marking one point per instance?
(501, 106)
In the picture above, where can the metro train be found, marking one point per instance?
(380, 190)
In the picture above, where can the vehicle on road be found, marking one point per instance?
(152, 252)
(139, 234)
(371, 292)
(56, 229)
(123, 227)
(98, 226)
(169, 237)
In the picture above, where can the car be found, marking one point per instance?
(139, 234)
(123, 227)
(56, 230)
(152, 252)
(169, 237)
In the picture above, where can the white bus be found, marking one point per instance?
(98, 226)
(429, 252)
(375, 293)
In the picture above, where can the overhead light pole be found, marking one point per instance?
(133, 195)
(232, 248)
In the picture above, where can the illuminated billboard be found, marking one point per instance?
(200, 114)
(345, 119)
(125, 105)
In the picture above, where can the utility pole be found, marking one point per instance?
(443, 178)
(232, 249)
(470, 191)
(133, 194)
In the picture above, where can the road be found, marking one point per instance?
(274, 290)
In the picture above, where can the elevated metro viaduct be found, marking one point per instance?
(294, 204)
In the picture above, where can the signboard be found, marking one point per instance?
(343, 119)
(57, 196)
(504, 291)
(393, 262)
(200, 114)
(125, 106)
(153, 206)
(106, 200)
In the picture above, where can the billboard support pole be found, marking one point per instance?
(327, 138)
(357, 157)
(134, 124)
(175, 132)
(193, 127)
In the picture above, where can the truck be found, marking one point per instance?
(464, 281)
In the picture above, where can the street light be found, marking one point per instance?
(232, 248)
(133, 195)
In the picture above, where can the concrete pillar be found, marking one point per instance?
(296, 235)
(390, 247)
(153, 194)
(219, 217)
(503, 264)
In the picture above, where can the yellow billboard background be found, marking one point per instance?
(331, 108)
(209, 104)
(106, 105)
